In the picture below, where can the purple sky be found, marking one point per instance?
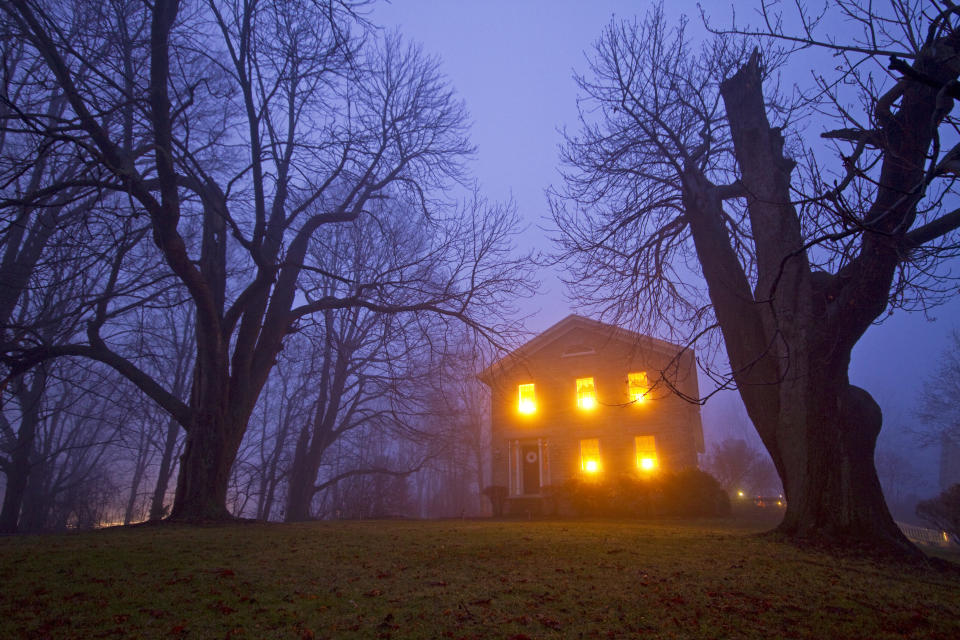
(512, 61)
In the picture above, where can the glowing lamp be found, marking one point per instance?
(648, 464)
(591, 466)
(739, 494)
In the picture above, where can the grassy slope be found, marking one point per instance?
(457, 579)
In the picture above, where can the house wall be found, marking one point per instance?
(558, 424)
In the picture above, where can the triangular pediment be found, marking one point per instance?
(577, 336)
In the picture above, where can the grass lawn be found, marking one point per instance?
(458, 579)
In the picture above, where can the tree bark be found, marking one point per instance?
(211, 447)
(789, 342)
(157, 511)
(18, 471)
(303, 477)
(140, 468)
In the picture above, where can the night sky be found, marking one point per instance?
(512, 62)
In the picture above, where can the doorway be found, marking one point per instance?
(530, 468)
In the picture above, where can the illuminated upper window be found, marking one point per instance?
(646, 453)
(638, 386)
(527, 402)
(586, 393)
(590, 455)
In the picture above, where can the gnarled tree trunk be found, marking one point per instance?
(790, 338)
(204, 476)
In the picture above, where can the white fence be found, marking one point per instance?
(922, 535)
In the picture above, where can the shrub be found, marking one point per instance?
(943, 512)
(498, 497)
(687, 493)
(692, 492)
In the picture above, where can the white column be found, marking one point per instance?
(518, 478)
(540, 461)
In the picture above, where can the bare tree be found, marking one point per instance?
(678, 168)
(739, 467)
(939, 408)
(71, 481)
(252, 128)
(452, 482)
(943, 511)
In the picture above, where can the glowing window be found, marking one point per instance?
(638, 385)
(590, 455)
(527, 402)
(586, 393)
(646, 453)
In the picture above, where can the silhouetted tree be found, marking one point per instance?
(451, 483)
(73, 478)
(943, 512)
(939, 408)
(739, 467)
(43, 243)
(683, 163)
(240, 132)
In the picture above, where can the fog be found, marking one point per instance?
(369, 414)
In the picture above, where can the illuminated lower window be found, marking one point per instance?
(646, 453)
(527, 402)
(586, 393)
(590, 455)
(638, 386)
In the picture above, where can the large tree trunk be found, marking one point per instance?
(212, 441)
(208, 456)
(830, 481)
(790, 336)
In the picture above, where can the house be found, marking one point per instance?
(587, 400)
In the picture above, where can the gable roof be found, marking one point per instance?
(571, 322)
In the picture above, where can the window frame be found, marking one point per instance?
(527, 402)
(586, 393)
(590, 452)
(645, 448)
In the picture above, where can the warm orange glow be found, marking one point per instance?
(590, 455)
(638, 386)
(739, 494)
(527, 402)
(646, 453)
(586, 393)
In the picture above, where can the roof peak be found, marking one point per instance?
(554, 332)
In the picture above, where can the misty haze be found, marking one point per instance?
(346, 318)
